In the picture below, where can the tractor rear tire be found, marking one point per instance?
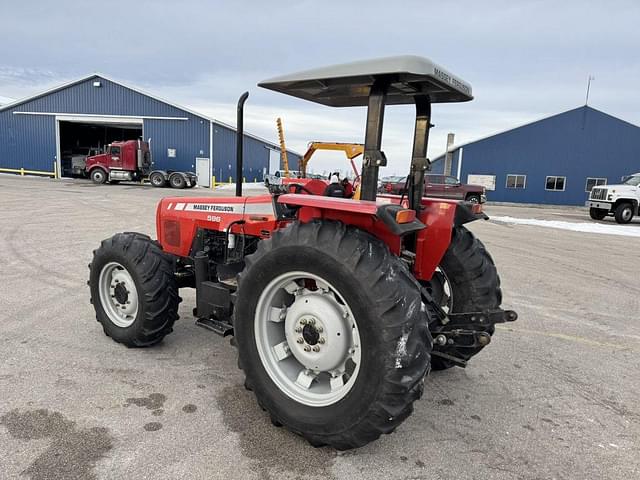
(597, 213)
(98, 176)
(133, 289)
(380, 310)
(473, 282)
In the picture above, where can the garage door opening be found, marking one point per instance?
(79, 140)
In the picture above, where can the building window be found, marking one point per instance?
(516, 181)
(555, 183)
(594, 182)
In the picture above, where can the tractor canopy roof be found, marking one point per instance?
(348, 84)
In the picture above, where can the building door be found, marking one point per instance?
(203, 169)
(274, 161)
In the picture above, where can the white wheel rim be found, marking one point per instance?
(118, 294)
(446, 301)
(98, 176)
(307, 339)
(626, 214)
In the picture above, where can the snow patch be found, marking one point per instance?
(247, 185)
(621, 230)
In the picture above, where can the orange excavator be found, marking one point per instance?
(351, 151)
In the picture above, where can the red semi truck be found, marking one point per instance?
(131, 161)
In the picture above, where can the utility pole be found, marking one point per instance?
(591, 77)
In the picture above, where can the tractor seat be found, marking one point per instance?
(334, 190)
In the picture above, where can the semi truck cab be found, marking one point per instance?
(131, 161)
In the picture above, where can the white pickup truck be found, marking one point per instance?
(620, 200)
(276, 178)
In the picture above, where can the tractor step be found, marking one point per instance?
(221, 327)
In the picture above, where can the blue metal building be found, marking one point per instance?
(555, 160)
(46, 129)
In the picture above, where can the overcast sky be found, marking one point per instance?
(524, 59)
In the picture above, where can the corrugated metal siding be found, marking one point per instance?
(577, 144)
(190, 139)
(27, 142)
(109, 99)
(256, 156)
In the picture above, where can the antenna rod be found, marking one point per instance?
(591, 77)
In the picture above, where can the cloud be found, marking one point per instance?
(525, 60)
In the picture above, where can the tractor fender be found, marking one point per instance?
(441, 217)
(378, 219)
(465, 214)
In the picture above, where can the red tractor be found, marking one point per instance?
(338, 307)
(131, 161)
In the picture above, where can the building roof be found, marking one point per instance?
(139, 91)
(455, 147)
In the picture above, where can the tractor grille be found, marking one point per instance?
(598, 194)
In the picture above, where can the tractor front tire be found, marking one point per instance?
(133, 289)
(331, 333)
(473, 284)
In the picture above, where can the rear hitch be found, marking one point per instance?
(455, 333)
(470, 319)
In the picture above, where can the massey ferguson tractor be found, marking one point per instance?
(338, 307)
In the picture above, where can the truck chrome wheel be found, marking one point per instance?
(118, 294)
(307, 339)
(627, 214)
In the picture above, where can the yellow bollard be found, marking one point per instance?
(22, 171)
(230, 180)
(55, 170)
(213, 182)
(244, 179)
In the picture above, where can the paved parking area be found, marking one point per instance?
(554, 396)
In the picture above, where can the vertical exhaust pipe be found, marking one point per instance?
(239, 142)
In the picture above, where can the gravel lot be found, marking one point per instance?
(554, 396)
